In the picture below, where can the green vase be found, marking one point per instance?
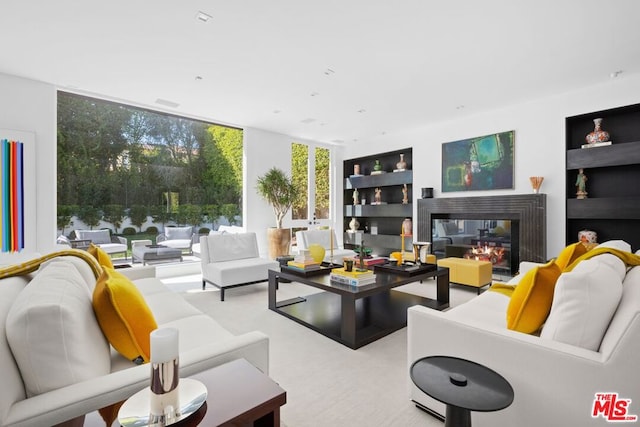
(377, 167)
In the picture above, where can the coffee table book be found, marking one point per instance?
(352, 281)
(354, 274)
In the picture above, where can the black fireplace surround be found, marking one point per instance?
(528, 210)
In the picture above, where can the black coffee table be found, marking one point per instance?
(356, 316)
(464, 386)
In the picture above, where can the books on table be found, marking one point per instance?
(353, 278)
(303, 261)
(368, 262)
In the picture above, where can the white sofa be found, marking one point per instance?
(556, 375)
(203, 345)
(230, 260)
(325, 238)
(103, 239)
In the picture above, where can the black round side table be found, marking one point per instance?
(462, 385)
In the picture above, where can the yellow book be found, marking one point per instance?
(303, 266)
(353, 273)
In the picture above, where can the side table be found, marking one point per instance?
(238, 394)
(462, 385)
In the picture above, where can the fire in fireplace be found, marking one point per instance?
(481, 239)
(479, 218)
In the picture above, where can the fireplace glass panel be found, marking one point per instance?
(481, 239)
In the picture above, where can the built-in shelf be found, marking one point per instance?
(380, 224)
(382, 180)
(604, 208)
(609, 155)
(612, 206)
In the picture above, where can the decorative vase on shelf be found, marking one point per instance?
(536, 182)
(598, 135)
(356, 169)
(354, 225)
(407, 227)
(377, 167)
(401, 165)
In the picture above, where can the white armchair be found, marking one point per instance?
(230, 260)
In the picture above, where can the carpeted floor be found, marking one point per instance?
(327, 383)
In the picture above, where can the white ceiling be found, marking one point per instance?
(395, 65)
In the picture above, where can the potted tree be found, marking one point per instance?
(280, 192)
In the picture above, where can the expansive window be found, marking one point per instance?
(120, 166)
(310, 172)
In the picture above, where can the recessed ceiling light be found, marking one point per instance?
(615, 74)
(167, 103)
(314, 94)
(328, 71)
(203, 17)
(362, 110)
(460, 107)
(198, 77)
(276, 111)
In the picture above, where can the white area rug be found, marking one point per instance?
(327, 383)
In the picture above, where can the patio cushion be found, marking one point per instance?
(97, 237)
(178, 233)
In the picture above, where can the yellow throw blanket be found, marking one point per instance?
(628, 258)
(32, 265)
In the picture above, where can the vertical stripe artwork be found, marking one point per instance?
(11, 195)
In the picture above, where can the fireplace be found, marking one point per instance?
(512, 227)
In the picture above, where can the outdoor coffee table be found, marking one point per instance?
(155, 253)
(356, 316)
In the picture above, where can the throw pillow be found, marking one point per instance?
(53, 333)
(124, 316)
(100, 255)
(584, 302)
(531, 301)
(569, 254)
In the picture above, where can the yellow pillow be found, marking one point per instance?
(569, 254)
(123, 315)
(98, 253)
(531, 300)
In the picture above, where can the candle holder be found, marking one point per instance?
(536, 183)
(164, 405)
(168, 399)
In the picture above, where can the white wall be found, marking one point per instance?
(30, 106)
(539, 144)
(262, 151)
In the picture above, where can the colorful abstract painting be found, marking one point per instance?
(11, 195)
(482, 163)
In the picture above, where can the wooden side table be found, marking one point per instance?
(238, 394)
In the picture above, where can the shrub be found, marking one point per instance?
(204, 230)
(129, 231)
